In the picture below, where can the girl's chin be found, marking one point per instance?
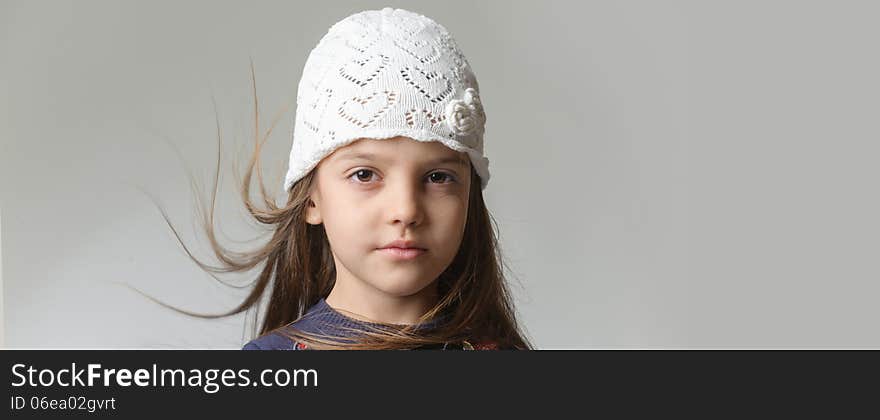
(401, 287)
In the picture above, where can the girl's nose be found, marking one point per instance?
(404, 203)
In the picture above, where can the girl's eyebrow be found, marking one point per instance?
(370, 156)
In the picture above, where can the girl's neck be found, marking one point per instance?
(371, 305)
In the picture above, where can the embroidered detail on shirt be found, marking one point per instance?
(489, 345)
(465, 345)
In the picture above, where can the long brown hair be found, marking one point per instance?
(297, 269)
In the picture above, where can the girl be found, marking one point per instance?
(385, 241)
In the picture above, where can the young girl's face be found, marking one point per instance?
(372, 192)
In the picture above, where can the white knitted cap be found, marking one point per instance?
(382, 74)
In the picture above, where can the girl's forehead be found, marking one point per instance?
(395, 149)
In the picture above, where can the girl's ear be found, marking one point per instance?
(313, 212)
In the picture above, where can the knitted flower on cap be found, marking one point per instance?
(466, 117)
(383, 74)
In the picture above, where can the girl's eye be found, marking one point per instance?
(443, 176)
(361, 173)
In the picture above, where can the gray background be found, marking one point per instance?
(665, 174)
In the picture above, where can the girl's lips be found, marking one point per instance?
(402, 253)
